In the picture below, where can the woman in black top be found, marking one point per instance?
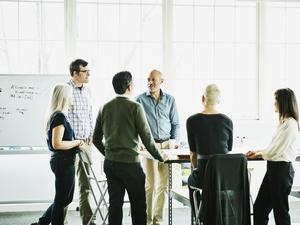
(60, 140)
(208, 132)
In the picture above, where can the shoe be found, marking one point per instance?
(36, 223)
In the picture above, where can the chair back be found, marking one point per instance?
(225, 195)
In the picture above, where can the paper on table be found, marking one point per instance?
(181, 151)
(172, 154)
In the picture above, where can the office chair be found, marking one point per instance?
(225, 198)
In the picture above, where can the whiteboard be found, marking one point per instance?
(24, 102)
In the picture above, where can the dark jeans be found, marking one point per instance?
(273, 194)
(130, 177)
(64, 171)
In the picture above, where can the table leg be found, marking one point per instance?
(169, 193)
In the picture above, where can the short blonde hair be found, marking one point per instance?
(212, 94)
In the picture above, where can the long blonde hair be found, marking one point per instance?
(60, 99)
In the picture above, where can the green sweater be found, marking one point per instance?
(120, 122)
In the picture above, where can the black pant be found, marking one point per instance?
(130, 177)
(64, 171)
(196, 179)
(273, 194)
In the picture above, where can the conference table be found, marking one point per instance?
(183, 156)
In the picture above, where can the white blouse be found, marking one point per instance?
(285, 142)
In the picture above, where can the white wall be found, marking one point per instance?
(27, 178)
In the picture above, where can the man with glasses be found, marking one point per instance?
(80, 116)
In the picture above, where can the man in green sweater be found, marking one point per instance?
(121, 121)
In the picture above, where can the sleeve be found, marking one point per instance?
(145, 133)
(174, 118)
(91, 120)
(91, 115)
(58, 119)
(230, 138)
(281, 141)
(137, 99)
(190, 137)
(98, 134)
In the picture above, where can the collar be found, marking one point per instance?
(122, 96)
(161, 93)
(74, 85)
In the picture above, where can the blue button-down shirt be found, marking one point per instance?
(162, 115)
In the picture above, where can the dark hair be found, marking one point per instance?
(287, 104)
(121, 81)
(75, 65)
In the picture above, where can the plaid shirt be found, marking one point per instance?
(80, 112)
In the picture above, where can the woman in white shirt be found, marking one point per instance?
(277, 183)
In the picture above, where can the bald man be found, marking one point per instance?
(162, 116)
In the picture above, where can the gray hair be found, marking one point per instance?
(212, 94)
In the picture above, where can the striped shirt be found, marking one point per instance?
(80, 112)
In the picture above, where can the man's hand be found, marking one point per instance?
(165, 157)
(88, 141)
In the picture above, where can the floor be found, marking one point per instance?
(181, 216)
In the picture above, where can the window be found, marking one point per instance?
(281, 50)
(215, 42)
(249, 48)
(120, 35)
(32, 37)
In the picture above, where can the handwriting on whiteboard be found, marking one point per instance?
(23, 92)
(6, 112)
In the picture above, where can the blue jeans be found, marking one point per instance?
(64, 171)
(130, 177)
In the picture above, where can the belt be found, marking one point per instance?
(203, 156)
(160, 141)
(84, 139)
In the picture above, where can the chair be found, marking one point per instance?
(102, 188)
(225, 194)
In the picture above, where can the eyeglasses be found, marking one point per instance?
(84, 71)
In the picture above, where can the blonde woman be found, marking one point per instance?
(281, 152)
(60, 140)
(209, 132)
